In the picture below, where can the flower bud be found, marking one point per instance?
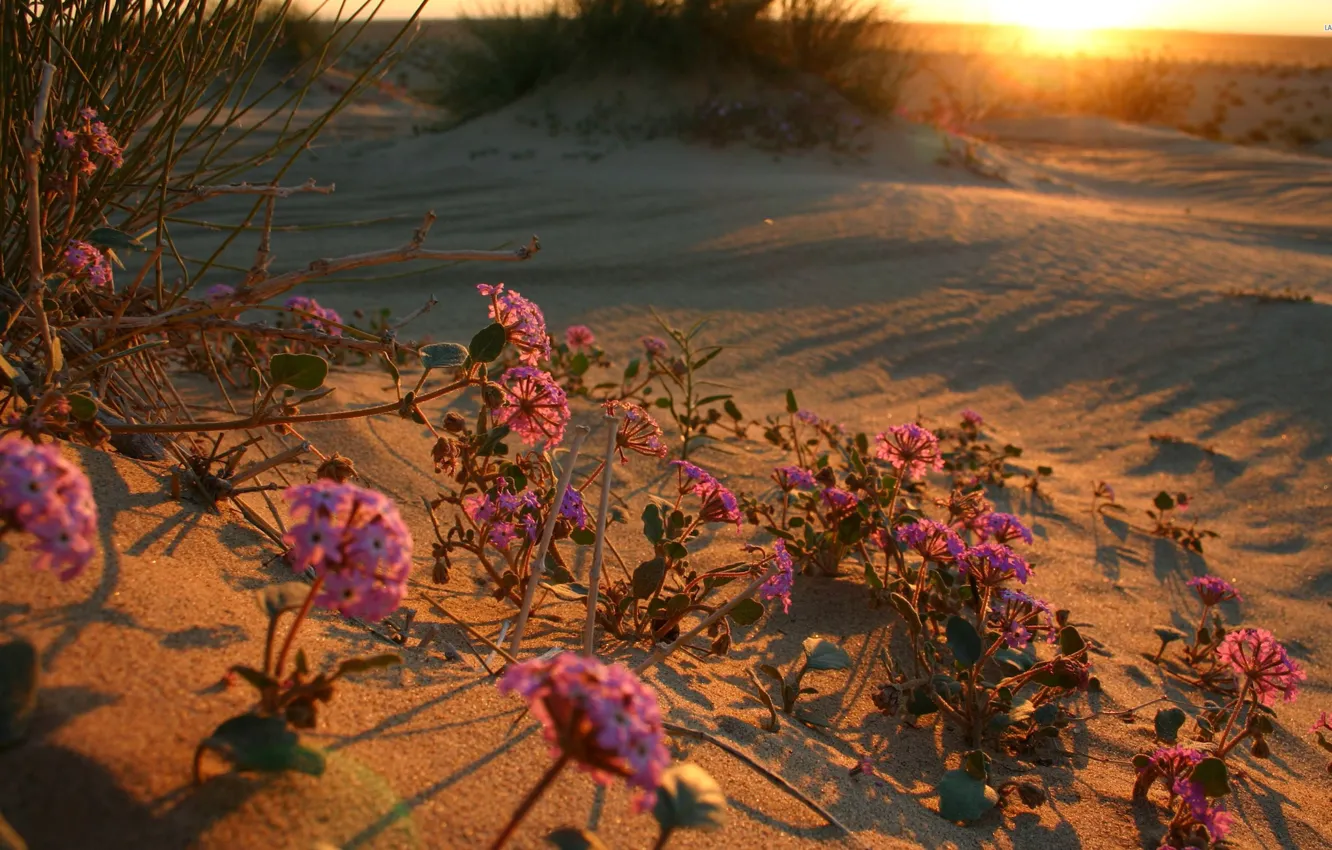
(337, 468)
(454, 422)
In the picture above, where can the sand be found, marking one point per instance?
(1081, 305)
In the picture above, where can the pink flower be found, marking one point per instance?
(639, 432)
(534, 407)
(1004, 528)
(655, 346)
(993, 563)
(972, 418)
(1017, 614)
(87, 113)
(602, 716)
(579, 336)
(524, 323)
(65, 140)
(103, 144)
(1259, 660)
(790, 478)
(48, 497)
(319, 316)
(1213, 590)
(356, 543)
(809, 417)
(932, 540)
(718, 503)
(1323, 723)
(779, 584)
(910, 449)
(219, 292)
(840, 502)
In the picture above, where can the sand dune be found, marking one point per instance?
(1081, 304)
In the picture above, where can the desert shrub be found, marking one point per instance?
(500, 59)
(856, 51)
(288, 33)
(1144, 89)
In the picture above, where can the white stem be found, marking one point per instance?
(661, 654)
(539, 559)
(594, 579)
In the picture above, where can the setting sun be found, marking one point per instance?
(1063, 15)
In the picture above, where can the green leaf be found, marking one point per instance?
(964, 798)
(569, 592)
(570, 838)
(921, 702)
(791, 406)
(977, 765)
(732, 411)
(1070, 642)
(302, 371)
(631, 371)
(19, 675)
(443, 355)
(351, 666)
(908, 612)
(488, 344)
(648, 576)
(583, 536)
(82, 407)
(825, 655)
(1211, 773)
(578, 364)
(265, 744)
(1168, 635)
(746, 612)
(689, 798)
(652, 527)
(963, 640)
(287, 596)
(109, 237)
(1163, 501)
(1168, 722)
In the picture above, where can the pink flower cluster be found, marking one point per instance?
(1258, 659)
(50, 498)
(639, 432)
(504, 515)
(600, 715)
(655, 346)
(910, 449)
(1173, 766)
(994, 563)
(779, 585)
(92, 137)
(1017, 614)
(82, 258)
(794, 478)
(718, 503)
(321, 315)
(579, 337)
(220, 292)
(840, 503)
(534, 407)
(524, 323)
(932, 540)
(1213, 590)
(356, 543)
(1003, 528)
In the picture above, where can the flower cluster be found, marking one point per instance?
(600, 715)
(319, 316)
(639, 432)
(1213, 591)
(993, 563)
(83, 259)
(1017, 615)
(910, 449)
(50, 498)
(219, 293)
(533, 406)
(718, 503)
(779, 585)
(1002, 528)
(1262, 663)
(839, 502)
(794, 478)
(932, 540)
(92, 137)
(357, 544)
(579, 336)
(524, 323)
(504, 514)
(655, 346)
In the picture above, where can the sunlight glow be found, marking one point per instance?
(1069, 15)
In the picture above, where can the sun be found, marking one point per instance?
(1068, 14)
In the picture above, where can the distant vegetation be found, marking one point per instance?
(856, 50)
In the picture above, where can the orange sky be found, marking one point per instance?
(1285, 17)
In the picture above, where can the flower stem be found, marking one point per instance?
(295, 626)
(663, 838)
(530, 800)
(1221, 747)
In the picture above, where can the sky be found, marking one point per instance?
(1281, 17)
